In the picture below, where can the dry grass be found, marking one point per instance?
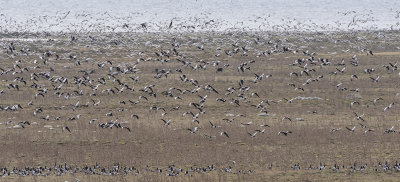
(153, 144)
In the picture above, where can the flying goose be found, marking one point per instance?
(260, 131)
(352, 77)
(23, 123)
(341, 70)
(284, 132)
(388, 107)
(224, 133)
(391, 130)
(194, 130)
(354, 102)
(135, 116)
(228, 120)
(92, 121)
(247, 124)
(264, 125)
(369, 130)
(255, 94)
(46, 118)
(166, 123)
(359, 117)
(127, 128)
(362, 125)
(252, 135)
(195, 121)
(351, 129)
(377, 99)
(185, 113)
(209, 136)
(66, 128)
(213, 126)
(221, 100)
(375, 79)
(293, 73)
(286, 118)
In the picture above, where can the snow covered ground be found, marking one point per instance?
(197, 15)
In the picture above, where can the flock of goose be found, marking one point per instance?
(64, 87)
(114, 170)
(108, 21)
(173, 170)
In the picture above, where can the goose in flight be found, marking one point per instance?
(252, 135)
(375, 79)
(135, 116)
(355, 90)
(235, 101)
(143, 97)
(255, 94)
(341, 70)
(260, 131)
(166, 123)
(377, 99)
(194, 130)
(308, 81)
(23, 123)
(352, 77)
(191, 113)
(175, 108)
(391, 130)
(247, 124)
(354, 102)
(195, 121)
(66, 128)
(209, 136)
(289, 101)
(92, 121)
(264, 125)
(367, 131)
(341, 63)
(359, 117)
(228, 120)
(95, 103)
(284, 132)
(221, 100)
(394, 66)
(351, 129)
(46, 118)
(213, 126)
(286, 118)
(240, 82)
(195, 116)
(224, 133)
(127, 128)
(293, 73)
(388, 107)
(362, 125)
